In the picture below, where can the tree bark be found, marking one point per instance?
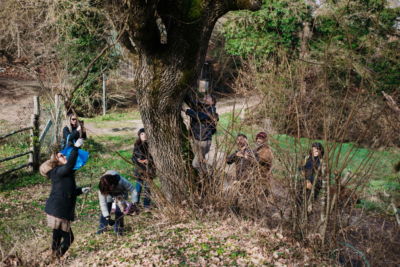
(166, 69)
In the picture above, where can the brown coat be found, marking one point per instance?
(264, 156)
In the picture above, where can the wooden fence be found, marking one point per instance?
(35, 141)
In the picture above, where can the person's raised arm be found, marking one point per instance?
(69, 166)
(191, 102)
(66, 132)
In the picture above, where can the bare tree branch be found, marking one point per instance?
(89, 67)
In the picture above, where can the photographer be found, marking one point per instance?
(73, 131)
(203, 124)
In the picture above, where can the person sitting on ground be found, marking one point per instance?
(73, 131)
(203, 124)
(242, 157)
(263, 154)
(114, 188)
(145, 168)
(314, 169)
(60, 206)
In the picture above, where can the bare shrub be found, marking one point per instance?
(343, 121)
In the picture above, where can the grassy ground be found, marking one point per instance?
(115, 119)
(150, 237)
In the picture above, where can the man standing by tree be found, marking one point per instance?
(203, 122)
(167, 41)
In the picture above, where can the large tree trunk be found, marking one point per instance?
(160, 96)
(166, 72)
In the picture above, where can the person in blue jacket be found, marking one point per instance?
(203, 125)
(60, 206)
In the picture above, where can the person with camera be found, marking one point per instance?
(73, 131)
(60, 206)
(115, 188)
(203, 125)
(243, 158)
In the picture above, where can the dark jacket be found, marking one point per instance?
(243, 165)
(141, 152)
(62, 199)
(73, 136)
(203, 122)
(312, 167)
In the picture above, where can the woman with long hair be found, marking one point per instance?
(145, 169)
(314, 168)
(73, 131)
(60, 206)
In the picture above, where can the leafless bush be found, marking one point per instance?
(333, 118)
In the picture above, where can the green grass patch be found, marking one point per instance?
(13, 145)
(371, 206)
(20, 179)
(116, 116)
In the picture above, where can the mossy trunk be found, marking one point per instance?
(170, 40)
(161, 90)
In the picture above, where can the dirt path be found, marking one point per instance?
(132, 126)
(214, 157)
(16, 102)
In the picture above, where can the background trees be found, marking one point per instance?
(346, 50)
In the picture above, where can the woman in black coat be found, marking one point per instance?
(145, 168)
(60, 206)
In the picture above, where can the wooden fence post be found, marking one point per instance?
(34, 157)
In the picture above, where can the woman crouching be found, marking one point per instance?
(60, 206)
(114, 188)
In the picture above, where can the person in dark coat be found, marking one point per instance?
(145, 168)
(73, 131)
(203, 125)
(313, 171)
(60, 206)
(243, 157)
(314, 168)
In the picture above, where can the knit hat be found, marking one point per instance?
(46, 167)
(262, 135)
(141, 130)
